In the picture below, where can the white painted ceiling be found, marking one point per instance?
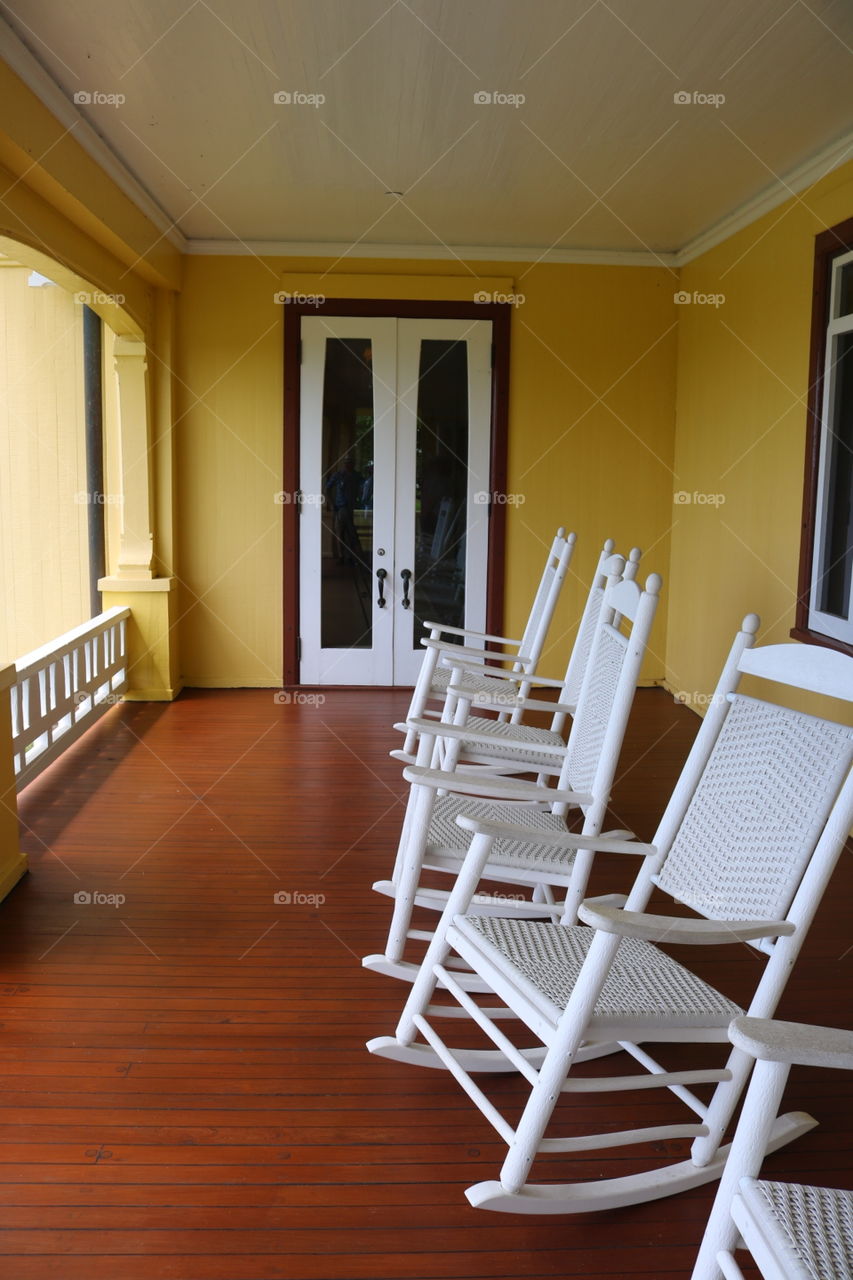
(598, 156)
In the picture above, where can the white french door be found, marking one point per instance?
(394, 482)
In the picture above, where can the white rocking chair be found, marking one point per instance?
(793, 1232)
(492, 751)
(431, 837)
(433, 678)
(748, 841)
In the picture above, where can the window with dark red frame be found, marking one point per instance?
(825, 595)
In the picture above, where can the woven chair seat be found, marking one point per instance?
(810, 1228)
(644, 985)
(499, 729)
(450, 840)
(500, 691)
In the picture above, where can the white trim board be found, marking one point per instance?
(466, 253)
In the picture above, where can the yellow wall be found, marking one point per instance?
(42, 464)
(591, 439)
(741, 420)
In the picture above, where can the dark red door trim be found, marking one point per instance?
(499, 314)
(828, 245)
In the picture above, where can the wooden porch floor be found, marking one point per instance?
(185, 1089)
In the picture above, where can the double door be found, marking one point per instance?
(394, 491)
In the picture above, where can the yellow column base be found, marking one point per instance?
(13, 863)
(152, 636)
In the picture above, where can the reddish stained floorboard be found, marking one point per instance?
(184, 1092)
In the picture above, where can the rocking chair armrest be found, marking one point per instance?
(491, 787)
(504, 701)
(556, 708)
(558, 839)
(442, 729)
(607, 913)
(477, 635)
(479, 656)
(773, 1041)
(521, 677)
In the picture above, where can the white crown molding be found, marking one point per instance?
(428, 252)
(26, 66)
(790, 184)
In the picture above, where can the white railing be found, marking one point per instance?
(62, 688)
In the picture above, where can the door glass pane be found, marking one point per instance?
(441, 483)
(837, 557)
(845, 290)
(347, 548)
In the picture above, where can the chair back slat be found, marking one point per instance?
(594, 709)
(757, 812)
(609, 684)
(586, 630)
(547, 595)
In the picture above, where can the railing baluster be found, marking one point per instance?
(87, 663)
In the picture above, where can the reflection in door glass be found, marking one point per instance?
(441, 485)
(347, 549)
(845, 290)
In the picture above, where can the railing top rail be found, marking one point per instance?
(33, 661)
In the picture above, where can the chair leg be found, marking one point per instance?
(558, 1060)
(401, 1047)
(722, 1106)
(423, 758)
(408, 870)
(457, 902)
(420, 695)
(750, 1142)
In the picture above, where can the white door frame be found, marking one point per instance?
(500, 316)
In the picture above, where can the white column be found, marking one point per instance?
(136, 553)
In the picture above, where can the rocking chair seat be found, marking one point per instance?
(477, 685)
(499, 729)
(809, 1229)
(644, 988)
(449, 841)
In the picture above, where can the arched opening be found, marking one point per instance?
(63, 489)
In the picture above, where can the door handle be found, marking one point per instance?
(381, 574)
(406, 575)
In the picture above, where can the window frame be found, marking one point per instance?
(830, 246)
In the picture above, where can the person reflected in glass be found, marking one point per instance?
(343, 489)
